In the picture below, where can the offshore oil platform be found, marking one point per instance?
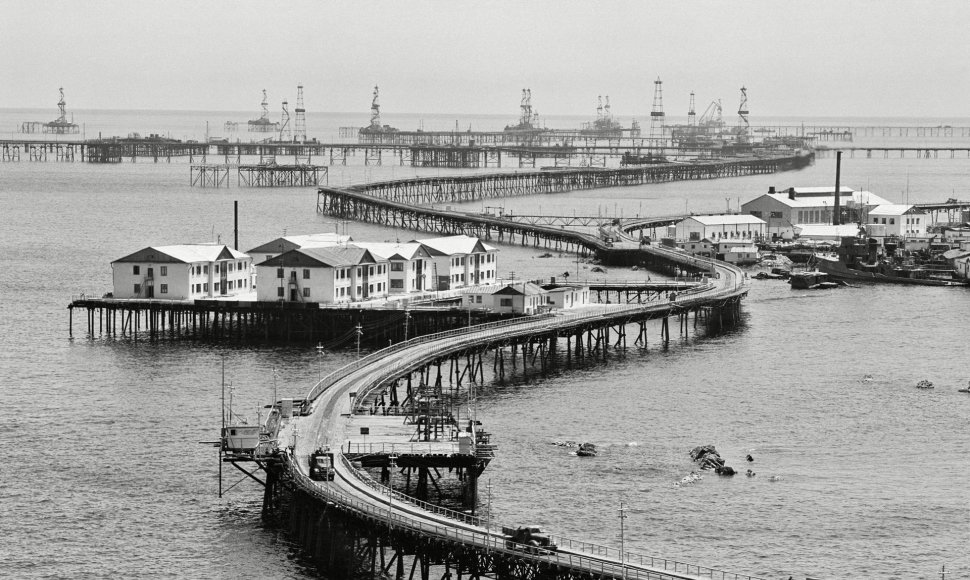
(59, 126)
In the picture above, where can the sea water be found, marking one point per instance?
(859, 474)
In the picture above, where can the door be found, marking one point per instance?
(223, 275)
(419, 277)
(294, 297)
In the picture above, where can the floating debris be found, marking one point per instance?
(867, 379)
(750, 473)
(924, 384)
(774, 478)
(691, 478)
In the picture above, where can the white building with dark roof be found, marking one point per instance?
(460, 261)
(182, 272)
(322, 275)
(511, 298)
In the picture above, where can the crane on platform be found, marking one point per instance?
(711, 119)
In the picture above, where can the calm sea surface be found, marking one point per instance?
(104, 477)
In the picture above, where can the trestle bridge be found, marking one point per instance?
(357, 527)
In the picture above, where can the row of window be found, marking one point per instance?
(197, 270)
(892, 221)
(476, 258)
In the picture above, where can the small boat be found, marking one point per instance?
(586, 450)
(810, 280)
(924, 384)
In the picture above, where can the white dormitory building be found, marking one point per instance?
(784, 211)
(322, 275)
(459, 262)
(182, 272)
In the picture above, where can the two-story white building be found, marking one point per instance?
(460, 261)
(323, 275)
(903, 221)
(182, 272)
(409, 264)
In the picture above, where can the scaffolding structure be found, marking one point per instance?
(299, 132)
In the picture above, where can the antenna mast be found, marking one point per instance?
(691, 115)
(743, 124)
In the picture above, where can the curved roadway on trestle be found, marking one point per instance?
(330, 408)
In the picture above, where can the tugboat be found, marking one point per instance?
(859, 259)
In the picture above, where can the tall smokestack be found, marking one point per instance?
(235, 222)
(836, 219)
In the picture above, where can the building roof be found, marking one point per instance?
(866, 198)
(893, 209)
(184, 254)
(331, 257)
(726, 219)
(287, 243)
(820, 191)
(454, 245)
(955, 254)
(513, 288)
(394, 251)
(826, 231)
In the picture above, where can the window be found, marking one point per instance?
(359, 274)
(279, 292)
(230, 285)
(137, 287)
(215, 269)
(370, 288)
(875, 220)
(306, 273)
(164, 288)
(205, 269)
(231, 266)
(306, 292)
(215, 287)
(478, 299)
(269, 257)
(205, 286)
(774, 214)
(397, 284)
(370, 270)
(279, 272)
(397, 266)
(892, 221)
(163, 270)
(136, 270)
(507, 302)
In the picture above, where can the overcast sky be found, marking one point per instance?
(796, 58)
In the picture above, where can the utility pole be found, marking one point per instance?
(360, 331)
(622, 550)
(319, 356)
(407, 317)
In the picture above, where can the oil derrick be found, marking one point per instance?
(607, 113)
(743, 125)
(299, 133)
(525, 119)
(599, 110)
(657, 115)
(263, 124)
(61, 125)
(285, 122)
(375, 111)
(691, 115)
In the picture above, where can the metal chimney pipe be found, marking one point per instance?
(836, 219)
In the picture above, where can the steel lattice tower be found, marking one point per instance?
(657, 114)
(299, 132)
(285, 123)
(743, 125)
